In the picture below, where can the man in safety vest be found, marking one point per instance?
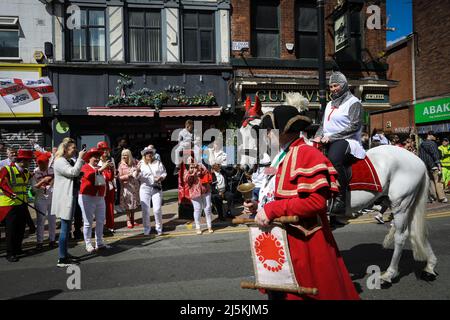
(14, 179)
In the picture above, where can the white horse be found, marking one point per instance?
(404, 179)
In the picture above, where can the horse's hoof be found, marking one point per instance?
(428, 276)
(385, 284)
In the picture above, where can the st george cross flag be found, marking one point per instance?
(17, 92)
(271, 258)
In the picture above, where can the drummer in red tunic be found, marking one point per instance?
(305, 179)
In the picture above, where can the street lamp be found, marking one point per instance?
(321, 56)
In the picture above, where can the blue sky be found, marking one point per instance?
(400, 18)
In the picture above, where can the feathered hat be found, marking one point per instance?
(288, 117)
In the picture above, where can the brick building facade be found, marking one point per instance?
(291, 65)
(421, 101)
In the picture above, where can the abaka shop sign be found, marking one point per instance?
(432, 111)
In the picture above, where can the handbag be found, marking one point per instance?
(99, 180)
(157, 186)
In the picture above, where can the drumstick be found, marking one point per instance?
(300, 290)
(284, 219)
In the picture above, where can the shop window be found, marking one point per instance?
(88, 43)
(307, 37)
(198, 37)
(265, 29)
(9, 37)
(144, 36)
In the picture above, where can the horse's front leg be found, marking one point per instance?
(400, 237)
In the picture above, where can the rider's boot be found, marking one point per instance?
(338, 207)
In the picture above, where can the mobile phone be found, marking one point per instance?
(83, 147)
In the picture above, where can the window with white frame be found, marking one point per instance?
(9, 37)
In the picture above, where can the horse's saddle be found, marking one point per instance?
(364, 176)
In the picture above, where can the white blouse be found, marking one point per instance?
(150, 171)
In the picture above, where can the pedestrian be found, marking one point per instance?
(151, 175)
(445, 162)
(216, 153)
(185, 142)
(109, 174)
(129, 196)
(431, 156)
(379, 138)
(340, 133)
(77, 214)
(395, 141)
(235, 176)
(157, 156)
(303, 181)
(198, 180)
(259, 175)
(42, 184)
(365, 140)
(11, 154)
(92, 198)
(117, 156)
(218, 188)
(65, 195)
(14, 179)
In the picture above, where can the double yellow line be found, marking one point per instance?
(428, 216)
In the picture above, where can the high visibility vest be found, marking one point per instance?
(445, 160)
(18, 185)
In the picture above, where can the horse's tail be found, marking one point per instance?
(418, 228)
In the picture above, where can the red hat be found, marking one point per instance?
(92, 152)
(102, 145)
(24, 154)
(42, 157)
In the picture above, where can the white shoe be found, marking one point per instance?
(199, 231)
(445, 200)
(379, 218)
(210, 230)
(90, 248)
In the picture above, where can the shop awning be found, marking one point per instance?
(121, 111)
(165, 112)
(190, 112)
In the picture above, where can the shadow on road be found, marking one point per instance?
(43, 295)
(360, 257)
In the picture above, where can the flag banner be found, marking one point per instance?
(18, 92)
(271, 258)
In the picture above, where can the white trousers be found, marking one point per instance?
(149, 195)
(203, 202)
(92, 207)
(44, 206)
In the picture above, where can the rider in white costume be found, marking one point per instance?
(340, 131)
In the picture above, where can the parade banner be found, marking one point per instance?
(271, 258)
(16, 92)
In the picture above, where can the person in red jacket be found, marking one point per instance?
(109, 175)
(92, 198)
(302, 181)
